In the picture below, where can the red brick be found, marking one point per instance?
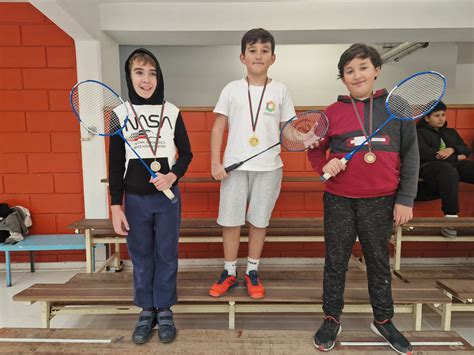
(54, 163)
(194, 247)
(314, 201)
(49, 78)
(201, 163)
(67, 183)
(467, 135)
(79, 256)
(16, 200)
(213, 201)
(22, 57)
(293, 161)
(10, 79)
(43, 257)
(465, 118)
(57, 203)
(65, 219)
(28, 183)
(66, 142)
(45, 35)
(61, 57)
(1, 185)
(19, 12)
(204, 255)
(51, 122)
(289, 201)
(24, 142)
(194, 202)
(12, 121)
(451, 117)
(24, 100)
(210, 118)
(59, 100)
(9, 35)
(43, 223)
(194, 121)
(200, 141)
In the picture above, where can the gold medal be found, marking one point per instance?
(370, 157)
(253, 141)
(155, 166)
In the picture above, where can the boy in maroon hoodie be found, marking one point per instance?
(365, 197)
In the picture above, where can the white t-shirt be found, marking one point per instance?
(276, 107)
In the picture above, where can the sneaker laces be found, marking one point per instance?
(224, 276)
(253, 276)
(330, 323)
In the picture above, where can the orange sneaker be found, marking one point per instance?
(224, 284)
(255, 287)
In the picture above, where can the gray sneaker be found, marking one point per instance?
(449, 232)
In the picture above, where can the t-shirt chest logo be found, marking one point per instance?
(270, 108)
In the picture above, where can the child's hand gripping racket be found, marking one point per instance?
(410, 99)
(299, 133)
(101, 111)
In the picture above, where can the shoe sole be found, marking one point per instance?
(333, 344)
(217, 295)
(256, 297)
(376, 331)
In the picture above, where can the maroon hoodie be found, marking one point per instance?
(396, 169)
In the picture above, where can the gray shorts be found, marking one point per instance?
(258, 189)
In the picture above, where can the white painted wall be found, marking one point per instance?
(195, 75)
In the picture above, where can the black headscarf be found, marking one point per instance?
(158, 95)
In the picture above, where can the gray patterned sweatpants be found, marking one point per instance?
(370, 219)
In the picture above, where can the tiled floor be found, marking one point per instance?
(17, 314)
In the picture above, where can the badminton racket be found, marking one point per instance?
(298, 134)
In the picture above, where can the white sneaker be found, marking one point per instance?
(449, 232)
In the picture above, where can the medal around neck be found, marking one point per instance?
(370, 157)
(155, 166)
(253, 141)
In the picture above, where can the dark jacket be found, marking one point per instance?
(130, 175)
(429, 140)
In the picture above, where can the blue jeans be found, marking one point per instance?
(153, 247)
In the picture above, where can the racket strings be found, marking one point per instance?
(305, 127)
(95, 105)
(416, 96)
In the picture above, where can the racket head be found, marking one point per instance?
(416, 96)
(99, 109)
(303, 130)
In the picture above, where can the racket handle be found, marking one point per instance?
(170, 195)
(233, 167)
(326, 176)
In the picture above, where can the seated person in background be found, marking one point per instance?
(443, 163)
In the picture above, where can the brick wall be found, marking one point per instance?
(40, 158)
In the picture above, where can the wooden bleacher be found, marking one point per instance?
(429, 230)
(195, 230)
(198, 341)
(286, 291)
(457, 283)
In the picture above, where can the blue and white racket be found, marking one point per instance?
(412, 98)
(102, 112)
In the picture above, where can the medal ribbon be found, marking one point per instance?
(144, 131)
(254, 122)
(369, 143)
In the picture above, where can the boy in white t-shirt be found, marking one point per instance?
(253, 109)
